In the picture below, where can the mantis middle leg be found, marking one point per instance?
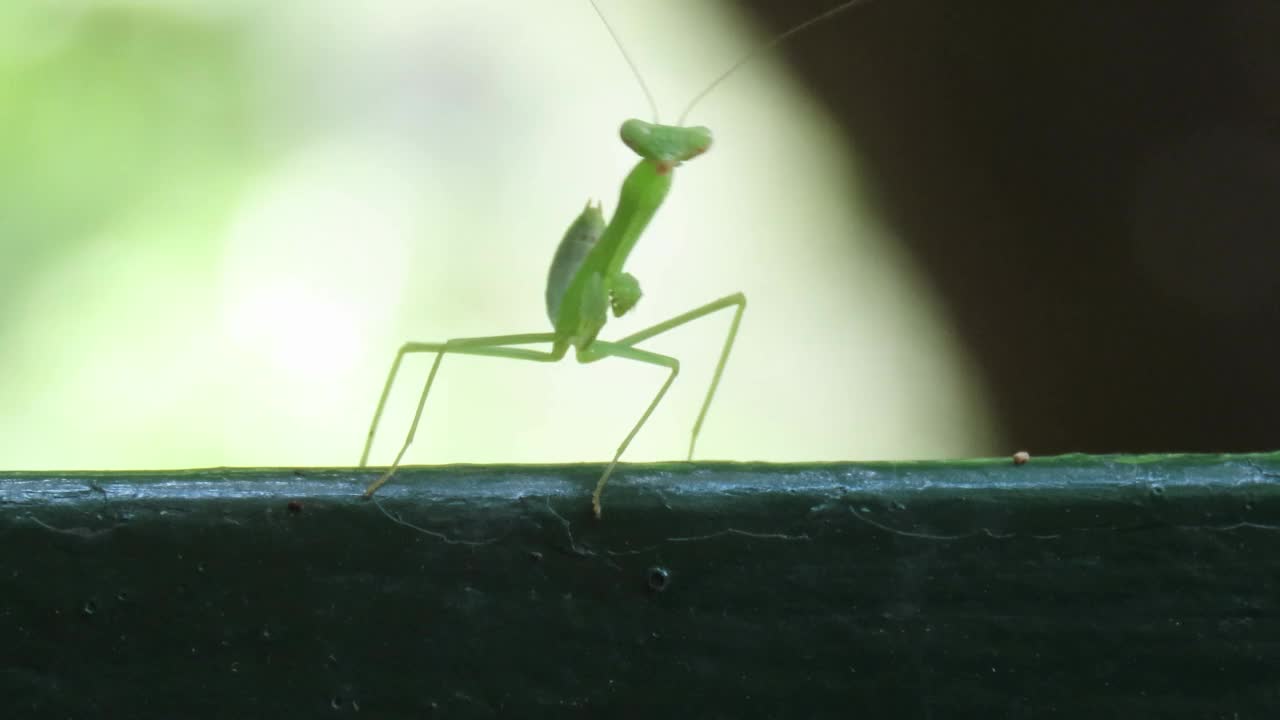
(600, 350)
(736, 299)
(624, 348)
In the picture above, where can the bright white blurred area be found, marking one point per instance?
(220, 220)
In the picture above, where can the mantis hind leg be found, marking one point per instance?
(497, 346)
(737, 299)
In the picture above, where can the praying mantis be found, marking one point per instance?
(586, 279)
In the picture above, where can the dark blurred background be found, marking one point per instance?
(1094, 187)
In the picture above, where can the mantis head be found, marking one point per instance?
(667, 145)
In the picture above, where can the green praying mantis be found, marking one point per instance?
(586, 280)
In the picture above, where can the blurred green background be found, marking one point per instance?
(218, 221)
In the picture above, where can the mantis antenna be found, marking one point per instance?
(752, 53)
(635, 70)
